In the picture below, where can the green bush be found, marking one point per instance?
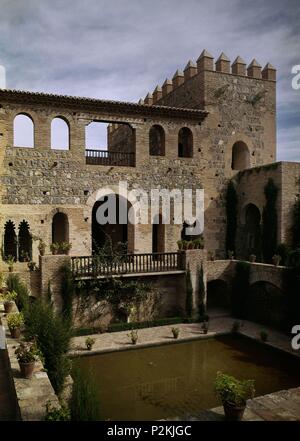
(52, 334)
(57, 414)
(84, 405)
(189, 294)
(14, 283)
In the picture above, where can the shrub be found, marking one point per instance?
(52, 334)
(84, 403)
(67, 292)
(189, 294)
(133, 335)
(57, 413)
(15, 284)
(175, 332)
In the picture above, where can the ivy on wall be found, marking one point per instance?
(201, 292)
(269, 217)
(231, 216)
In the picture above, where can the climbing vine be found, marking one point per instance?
(231, 215)
(269, 235)
(201, 292)
(189, 294)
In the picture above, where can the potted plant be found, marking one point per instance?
(212, 256)
(204, 327)
(89, 342)
(8, 300)
(27, 354)
(14, 323)
(175, 332)
(133, 335)
(230, 254)
(10, 260)
(180, 244)
(234, 394)
(31, 266)
(41, 247)
(65, 247)
(54, 248)
(236, 326)
(252, 258)
(276, 259)
(263, 336)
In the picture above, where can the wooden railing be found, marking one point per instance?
(93, 266)
(104, 157)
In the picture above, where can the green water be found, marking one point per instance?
(177, 379)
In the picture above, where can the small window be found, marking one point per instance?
(23, 131)
(60, 134)
(185, 143)
(156, 141)
(240, 156)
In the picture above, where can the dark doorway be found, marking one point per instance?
(60, 228)
(218, 295)
(113, 233)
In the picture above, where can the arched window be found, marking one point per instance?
(10, 240)
(23, 131)
(60, 134)
(185, 143)
(240, 156)
(60, 228)
(25, 242)
(156, 141)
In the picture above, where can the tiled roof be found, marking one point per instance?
(93, 104)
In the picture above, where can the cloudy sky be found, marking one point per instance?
(120, 49)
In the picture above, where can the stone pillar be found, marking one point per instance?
(192, 260)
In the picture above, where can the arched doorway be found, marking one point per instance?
(60, 228)
(218, 295)
(252, 231)
(117, 232)
(240, 156)
(158, 235)
(10, 240)
(25, 242)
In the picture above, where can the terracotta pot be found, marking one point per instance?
(8, 306)
(15, 333)
(233, 412)
(27, 369)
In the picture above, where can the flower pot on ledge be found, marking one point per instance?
(27, 369)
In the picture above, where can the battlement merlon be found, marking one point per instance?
(195, 72)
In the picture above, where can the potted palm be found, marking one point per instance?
(276, 259)
(234, 394)
(9, 299)
(252, 258)
(27, 354)
(14, 323)
(133, 336)
(65, 247)
(89, 342)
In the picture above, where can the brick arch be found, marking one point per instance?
(266, 273)
(237, 137)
